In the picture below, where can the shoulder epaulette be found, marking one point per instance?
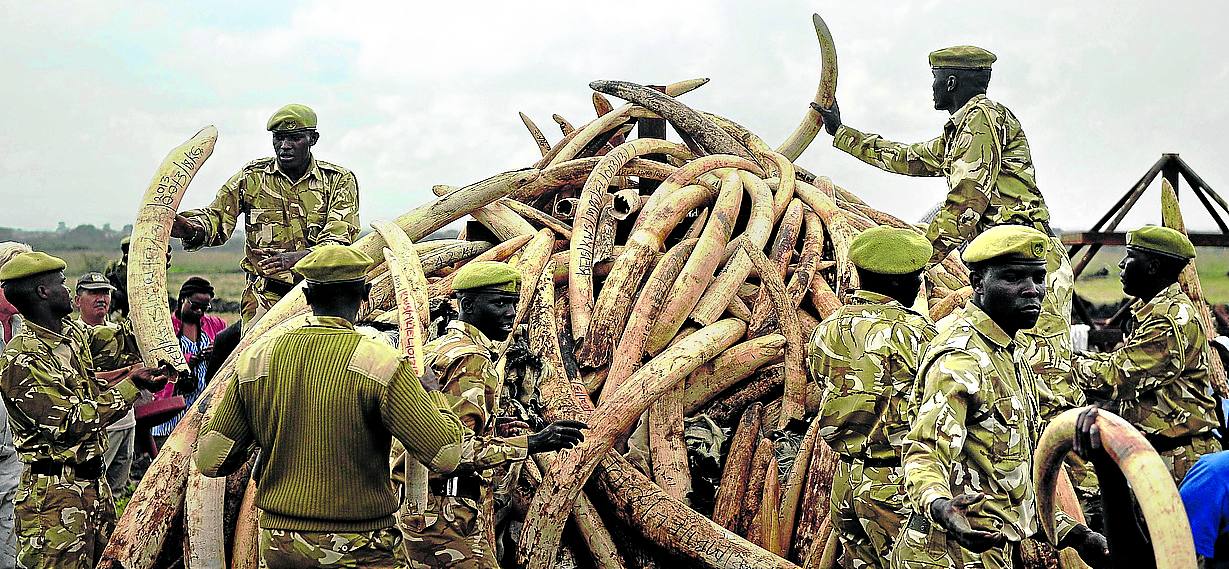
(331, 166)
(375, 360)
(259, 163)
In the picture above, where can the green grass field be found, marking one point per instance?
(220, 267)
(1213, 264)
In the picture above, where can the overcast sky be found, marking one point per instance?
(413, 94)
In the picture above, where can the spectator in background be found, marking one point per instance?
(10, 464)
(113, 347)
(1205, 493)
(197, 332)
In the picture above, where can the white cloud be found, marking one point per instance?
(415, 94)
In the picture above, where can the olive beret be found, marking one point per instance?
(491, 275)
(962, 57)
(1161, 240)
(30, 264)
(1014, 243)
(890, 251)
(334, 264)
(94, 281)
(292, 117)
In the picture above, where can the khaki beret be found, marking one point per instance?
(962, 57)
(334, 264)
(490, 275)
(890, 251)
(1161, 240)
(30, 264)
(292, 117)
(1014, 243)
(94, 281)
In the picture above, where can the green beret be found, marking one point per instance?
(94, 281)
(334, 264)
(1162, 240)
(890, 251)
(1013, 243)
(491, 275)
(962, 57)
(29, 264)
(292, 117)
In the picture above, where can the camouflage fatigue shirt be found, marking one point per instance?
(865, 358)
(462, 358)
(57, 409)
(113, 345)
(321, 207)
(976, 428)
(984, 156)
(1160, 374)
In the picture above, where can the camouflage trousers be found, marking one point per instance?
(450, 534)
(286, 549)
(62, 522)
(1180, 460)
(254, 303)
(868, 507)
(933, 550)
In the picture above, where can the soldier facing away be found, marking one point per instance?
(1159, 376)
(58, 411)
(969, 453)
(865, 356)
(986, 160)
(291, 204)
(454, 529)
(323, 403)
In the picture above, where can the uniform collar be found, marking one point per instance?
(47, 337)
(958, 116)
(986, 326)
(313, 170)
(330, 322)
(474, 334)
(1143, 309)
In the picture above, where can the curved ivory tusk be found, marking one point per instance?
(151, 236)
(825, 94)
(1168, 528)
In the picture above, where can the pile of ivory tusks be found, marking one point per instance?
(694, 298)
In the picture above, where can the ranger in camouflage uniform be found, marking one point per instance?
(985, 157)
(58, 410)
(291, 204)
(969, 456)
(865, 358)
(454, 530)
(1160, 375)
(323, 403)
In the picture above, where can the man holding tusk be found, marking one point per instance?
(968, 458)
(866, 356)
(59, 409)
(1160, 374)
(454, 528)
(291, 204)
(986, 160)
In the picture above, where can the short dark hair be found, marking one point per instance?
(23, 293)
(978, 79)
(335, 295)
